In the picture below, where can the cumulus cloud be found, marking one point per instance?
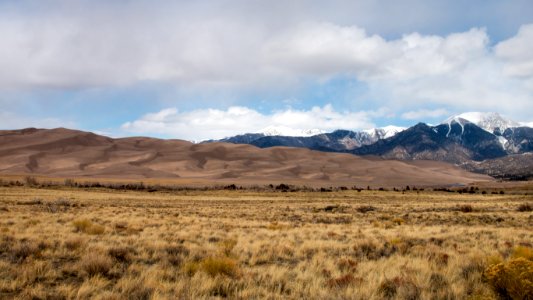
(240, 44)
(517, 53)
(206, 124)
(71, 52)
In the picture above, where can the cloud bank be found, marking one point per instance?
(233, 45)
(206, 124)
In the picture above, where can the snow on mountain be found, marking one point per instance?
(488, 121)
(384, 132)
(374, 133)
(287, 131)
(513, 137)
(527, 124)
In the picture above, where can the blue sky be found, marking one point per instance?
(208, 69)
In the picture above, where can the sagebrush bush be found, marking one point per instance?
(512, 279)
(466, 208)
(525, 207)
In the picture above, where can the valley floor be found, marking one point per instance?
(68, 243)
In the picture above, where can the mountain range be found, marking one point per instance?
(77, 154)
(474, 140)
(423, 154)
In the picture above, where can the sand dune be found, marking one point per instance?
(70, 153)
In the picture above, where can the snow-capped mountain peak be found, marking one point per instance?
(287, 131)
(488, 121)
(384, 132)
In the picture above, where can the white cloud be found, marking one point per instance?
(215, 124)
(422, 114)
(82, 44)
(59, 51)
(517, 53)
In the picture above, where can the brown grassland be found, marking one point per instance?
(75, 243)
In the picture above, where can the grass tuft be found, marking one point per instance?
(88, 227)
(214, 266)
(96, 264)
(74, 243)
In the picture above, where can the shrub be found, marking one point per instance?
(121, 254)
(96, 264)
(70, 182)
(365, 209)
(442, 259)
(25, 249)
(175, 254)
(466, 208)
(526, 207)
(60, 204)
(74, 243)
(471, 269)
(177, 250)
(283, 187)
(372, 251)
(513, 279)
(121, 226)
(388, 289)
(399, 287)
(35, 201)
(366, 249)
(347, 264)
(398, 221)
(30, 181)
(343, 281)
(437, 282)
(330, 208)
(219, 266)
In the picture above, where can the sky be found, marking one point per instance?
(203, 69)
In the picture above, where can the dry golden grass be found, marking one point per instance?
(71, 243)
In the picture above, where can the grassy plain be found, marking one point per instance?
(74, 243)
